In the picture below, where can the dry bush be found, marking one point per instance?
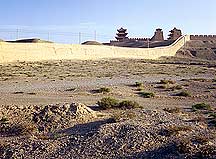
(183, 94)
(174, 130)
(138, 84)
(103, 90)
(147, 94)
(118, 117)
(176, 87)
(127, 104)
(201, 106)
(201, 139)
(164, 86)
(183, 146)
(108, 103)
(165, 81)
(172, 110)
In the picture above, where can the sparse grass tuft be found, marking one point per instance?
(43, 136)
(164, 81)
(127, 115)
(174, 130)
(108, 103)
(127, 104)
(213, 115)
(18, 92)
(70, 89)
(177, 87)
(201, 139)
(103, 90)
(138, 84)
(164, 86)
(172, 110)
(31, 93)
(139, 89)
(201, 106)
(183, 94)
(147, 94)
(183, 146)
(16, 129)
(3, 120)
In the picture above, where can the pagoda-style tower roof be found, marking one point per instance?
(121, 35)
(121, 30)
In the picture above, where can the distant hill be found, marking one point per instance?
(199, 49)
(91, 43)
(34, 40)
(1, 40)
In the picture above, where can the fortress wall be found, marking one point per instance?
(139, 39)
(203, 37)
(12, 52)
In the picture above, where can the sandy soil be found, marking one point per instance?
(37, 122)
(49, 82)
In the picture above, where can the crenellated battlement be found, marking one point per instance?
(203, 37)
(139, 39)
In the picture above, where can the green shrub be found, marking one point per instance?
(184, 94)
(3, 120)
(164, 86)
(177, 87)
(138, 84)
(164, 81)
(103, 90)
(108, 103)
(70, 89)
(139, 89)
(201, 106)
(172, 110)
(147, 94)
(127, 104)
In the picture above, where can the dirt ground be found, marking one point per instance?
(40, 83)
(41, 115)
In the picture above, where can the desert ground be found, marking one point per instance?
(38, 119)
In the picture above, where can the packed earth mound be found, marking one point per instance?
(199, 49)
(54, 117)
(49, 118)
(34, 40)
(133, 133)
(91, 43)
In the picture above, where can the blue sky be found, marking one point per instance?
(140, 17)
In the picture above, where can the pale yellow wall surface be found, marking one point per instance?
(12, 52)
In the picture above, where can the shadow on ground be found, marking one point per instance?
(83, 129)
